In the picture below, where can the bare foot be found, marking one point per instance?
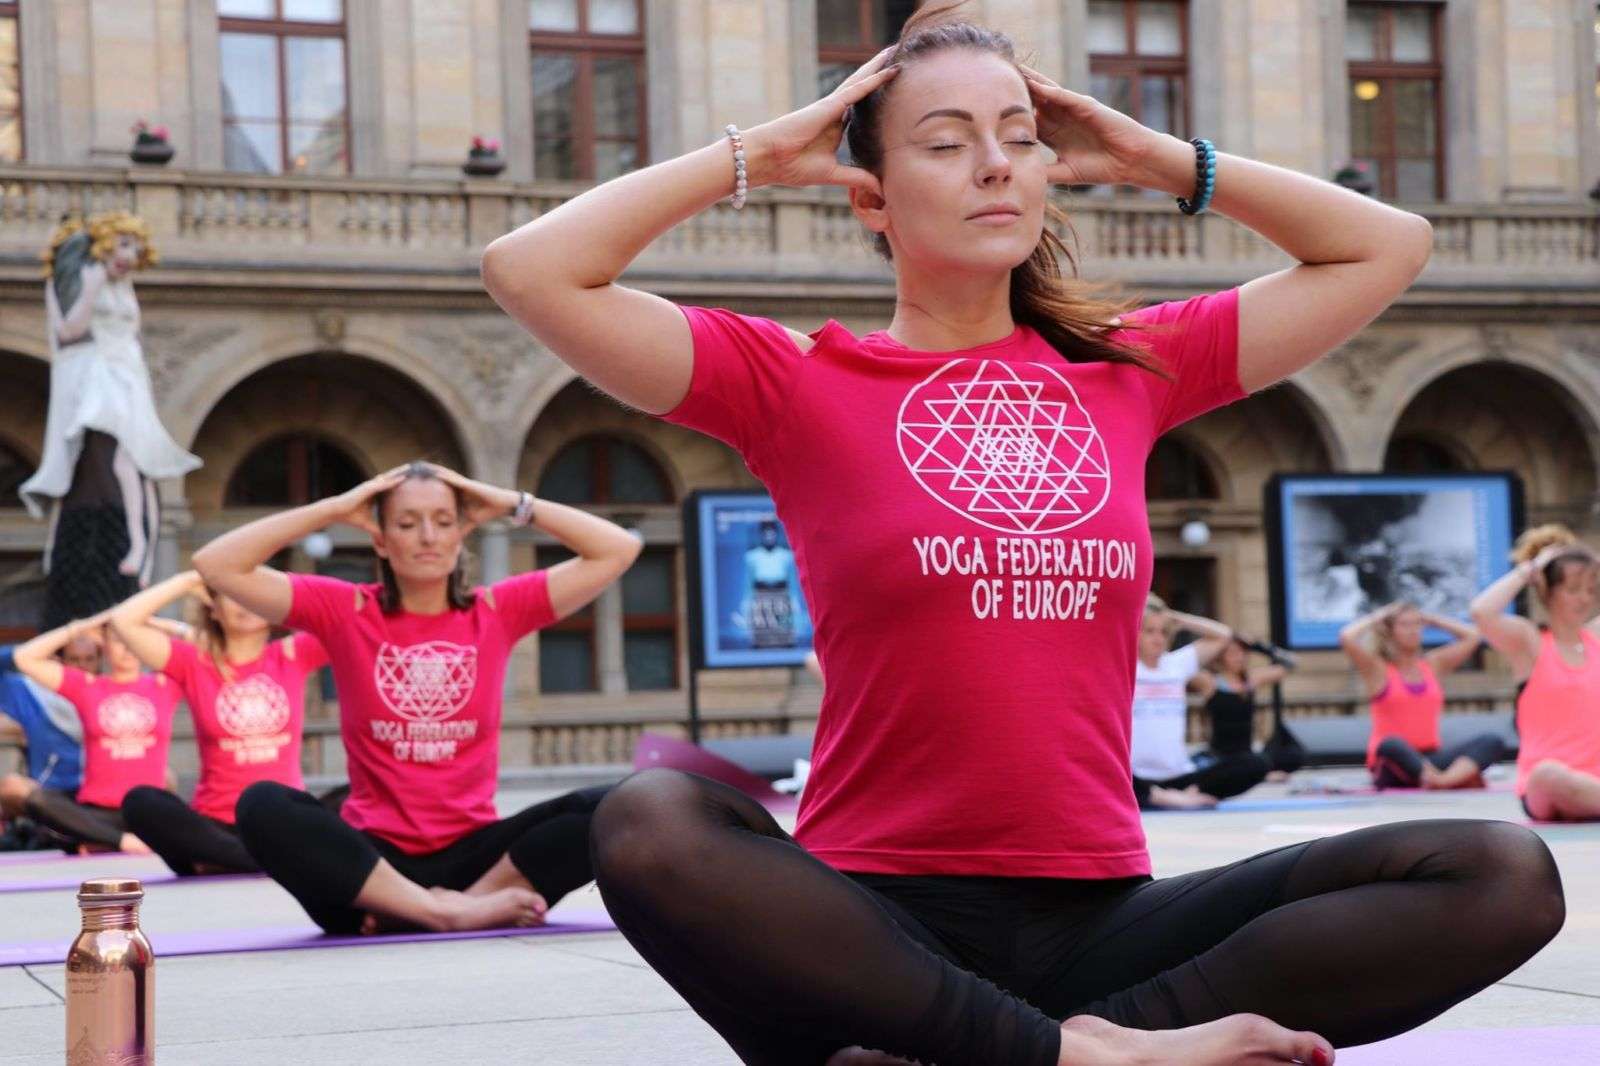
(130, 565)
(1238, 1040)
(493, 910)
(133, 845)
(1185, 799)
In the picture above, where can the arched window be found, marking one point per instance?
(589, 88)
(1176, 471)
(14, 470)
(1410, 454)
(291, 470)
(604, 470)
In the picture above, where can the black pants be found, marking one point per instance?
(189, 842)
(323, 862)
(1399, 764)
(80, 823)
(791, 960)
(1230, 775)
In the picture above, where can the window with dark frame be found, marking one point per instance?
(11, 144)
(850, 32)
(1413, 454)
(292, 470)
(1139, 61)
(1396, 75)
(609, 471)
(589, 88)
(285, 104)
(1176, 471)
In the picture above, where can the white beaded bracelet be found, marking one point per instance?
(741, 183)
(523, 515)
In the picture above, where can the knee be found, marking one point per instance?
(14, 792)
(1550, 777)
(143, 806)
(259, 807)
(1521, 885)
(642, 830)
(1394, 749)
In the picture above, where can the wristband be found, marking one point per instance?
(523, 515)
(1205, 177)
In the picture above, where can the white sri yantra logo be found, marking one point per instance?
(126, 714)
(426, 682)
(255, 706)
(1006, 444)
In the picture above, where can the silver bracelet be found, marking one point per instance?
(741, 183)
(523, 515)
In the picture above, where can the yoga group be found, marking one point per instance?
(969, 881)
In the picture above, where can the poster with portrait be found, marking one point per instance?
(1340, 545)
(746, 607)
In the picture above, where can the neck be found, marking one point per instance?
(1569, 633)
(942, 311)
(1403, 659)
(430, 598)
(245, 647)
(125, 675)
(1151, 661)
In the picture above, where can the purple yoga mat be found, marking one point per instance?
(293, 937)
(24, 858)
(1557, 1046)
(155, 877)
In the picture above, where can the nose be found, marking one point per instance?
(427, 530)
(994, 167)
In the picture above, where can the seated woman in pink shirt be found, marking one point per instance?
(246, 694)
(1557, 667)
(419, 662)
(127, 731)
(963, 490)
(1403, 683)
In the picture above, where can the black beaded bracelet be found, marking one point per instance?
(1205, 177)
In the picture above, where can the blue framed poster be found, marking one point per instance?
(1340, 545)
(746, 608)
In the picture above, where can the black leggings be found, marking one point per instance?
(80, 823)
(323, 861)
(1399, 764)
(1357, 937)
(189, 842)
(1230, 775)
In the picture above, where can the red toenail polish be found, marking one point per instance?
(1319, 1057)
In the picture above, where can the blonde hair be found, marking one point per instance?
(103, 229)
(1154, 604)
(1533, 542)
(1386, 629)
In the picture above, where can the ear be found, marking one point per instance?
(378, 546)
(869, 206)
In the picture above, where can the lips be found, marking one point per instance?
(997, 212)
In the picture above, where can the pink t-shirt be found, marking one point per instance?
(971, 536)
(127, 729)
(247, 725)
(419, 701)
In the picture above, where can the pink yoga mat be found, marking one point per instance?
(1576, 1045)
(673, 754)
(294, 937)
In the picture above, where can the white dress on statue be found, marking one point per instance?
(101, 383)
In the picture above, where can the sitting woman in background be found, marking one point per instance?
(1164, 776)
(1231, 705)
(246, 693)
(54, 739)
(1403, 684)
(1557, 667)
(127, 730)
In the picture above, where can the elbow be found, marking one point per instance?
(205, 563)
(506, 259)
(1413, 243)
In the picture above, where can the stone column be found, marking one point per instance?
(494, 553)
(608, 641)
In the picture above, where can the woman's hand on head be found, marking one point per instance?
(802, 148)
(355, 507)
(1094, 144)
(480, 502)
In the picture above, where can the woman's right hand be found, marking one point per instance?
(354, 508)
(802, 148)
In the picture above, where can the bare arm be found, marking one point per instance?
(134, 619)
(1511, 635)
(557, 274)
(1214, 636)
(1356, 254)
(234, 563)
(36, 658)
(1449, 659)
(1353, 640)
(1261, 676)
(604, 552)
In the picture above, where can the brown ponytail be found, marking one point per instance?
(1063, 310)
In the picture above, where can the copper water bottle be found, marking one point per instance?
(111, 979)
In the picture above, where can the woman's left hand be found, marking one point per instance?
(480, 502)
(1094, 144)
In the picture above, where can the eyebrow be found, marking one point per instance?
(966, 116)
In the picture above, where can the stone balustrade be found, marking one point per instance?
(358, 233)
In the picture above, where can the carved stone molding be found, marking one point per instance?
(170, 346)
(1360, 363)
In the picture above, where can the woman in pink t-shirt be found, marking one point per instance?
(419, 663)
(963, 493)
(127, 730)
(1404, 684)
(1557, 668)
(246, 694)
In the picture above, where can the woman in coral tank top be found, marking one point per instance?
(1404, 684)
(1558, 668)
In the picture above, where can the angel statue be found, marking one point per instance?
(104, 445)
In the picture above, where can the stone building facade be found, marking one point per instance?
(317, 314)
